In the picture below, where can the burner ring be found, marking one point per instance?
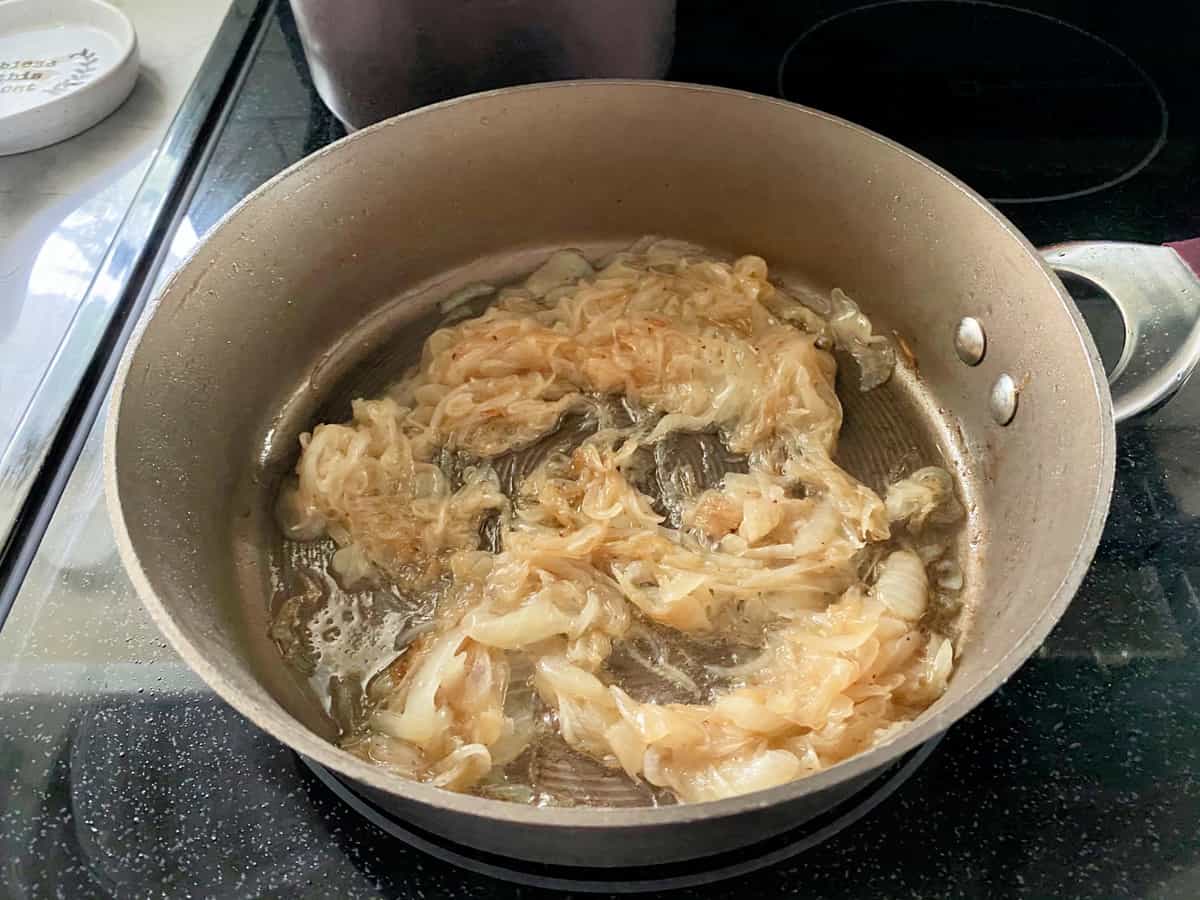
(1156, 120)
(690, 873)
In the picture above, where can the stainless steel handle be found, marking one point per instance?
(1158, 295)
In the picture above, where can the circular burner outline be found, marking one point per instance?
(626, 881)
(1137, 167)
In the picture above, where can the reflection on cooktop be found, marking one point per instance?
(1025, 107)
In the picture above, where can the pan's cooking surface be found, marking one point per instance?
(1077, 779)
(335, 638)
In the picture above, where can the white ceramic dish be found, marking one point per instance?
(64, 66)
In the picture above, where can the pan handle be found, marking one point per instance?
(1157, 290)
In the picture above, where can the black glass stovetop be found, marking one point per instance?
(122, 775)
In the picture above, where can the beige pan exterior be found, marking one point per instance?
(248, 343)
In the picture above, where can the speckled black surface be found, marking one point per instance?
(122, 776)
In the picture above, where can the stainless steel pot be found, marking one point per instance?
(374, 58)
(319, 286)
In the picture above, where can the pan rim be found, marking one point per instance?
(273, 719)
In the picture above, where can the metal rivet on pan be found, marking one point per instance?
(1004, 399)
(970, 341)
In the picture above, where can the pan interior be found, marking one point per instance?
(886, 434)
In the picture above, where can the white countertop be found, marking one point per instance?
(60, 206)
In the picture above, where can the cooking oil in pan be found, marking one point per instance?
(340, 640)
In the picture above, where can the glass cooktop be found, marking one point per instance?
(122, 775)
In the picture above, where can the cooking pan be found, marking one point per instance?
(322, 284)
